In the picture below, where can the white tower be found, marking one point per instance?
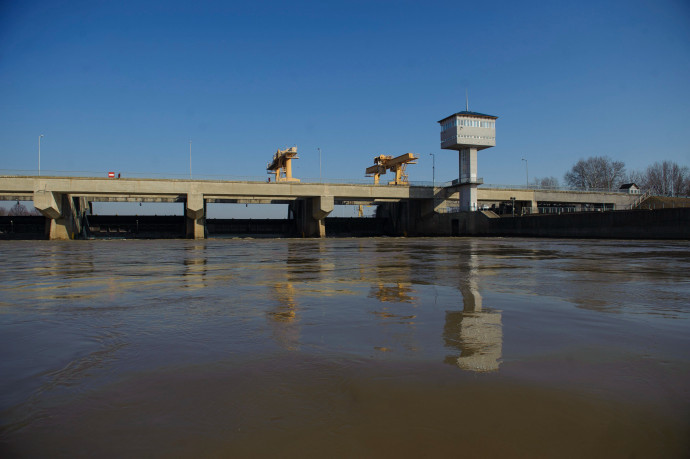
(468, 132)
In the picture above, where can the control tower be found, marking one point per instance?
(468, 132)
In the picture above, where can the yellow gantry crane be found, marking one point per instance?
(282, 163)
(396, 165)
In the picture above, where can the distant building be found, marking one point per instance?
(468, 132)
(630, 188)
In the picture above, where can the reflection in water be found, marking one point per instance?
(299, 263)
(286, 309)
(195, 262)
(476, 333)
(399, 293)
(284, 322)
(241, 347)
(478, 336)
(391, 278)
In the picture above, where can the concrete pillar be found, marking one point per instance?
(309, 215)
(195, 211)
(468, 179)
(468, 165)
(468, 197)
(48, 203)
(63, 214)
(321, 206)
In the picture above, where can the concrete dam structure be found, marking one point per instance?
(408, 210)
(463, 207)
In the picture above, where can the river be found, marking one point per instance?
(380, 347)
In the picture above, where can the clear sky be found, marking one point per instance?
(124, 85)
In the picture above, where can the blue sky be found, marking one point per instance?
(123, 86)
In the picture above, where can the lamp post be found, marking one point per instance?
(319, 163)
(190, 160)
(526, 172)
(39, 154)
(433, 169)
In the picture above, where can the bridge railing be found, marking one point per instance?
(213, 177)
(263, 179)
(128, 174)
(550, 188)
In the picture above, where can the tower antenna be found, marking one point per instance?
(467, 101)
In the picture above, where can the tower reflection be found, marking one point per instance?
(476, 332)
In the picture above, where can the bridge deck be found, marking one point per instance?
(176, 190)
(166, 190)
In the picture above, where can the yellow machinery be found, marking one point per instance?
(282, 162)
(396, 165)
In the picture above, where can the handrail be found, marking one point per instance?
(263, 179)
(638, 201)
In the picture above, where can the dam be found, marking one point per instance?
(410, 210)
(461, 207)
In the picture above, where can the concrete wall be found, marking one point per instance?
(22, 227)
(417, 218)
(631, 224)
(136, 226)
(250, 226)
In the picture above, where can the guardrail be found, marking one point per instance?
(129, 174)
(551, 188)
(218, 177)
(248, 178)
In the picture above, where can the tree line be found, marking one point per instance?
(663, 178)
(18, 210)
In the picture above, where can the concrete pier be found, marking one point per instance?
(63, 213)
(195, 211)
(309, 214)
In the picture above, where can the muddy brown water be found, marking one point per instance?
(381, 347)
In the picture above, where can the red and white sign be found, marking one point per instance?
(111, 174)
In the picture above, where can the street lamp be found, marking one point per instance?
(433, 169)
(319, 164)
(39, 154)
(526, 172)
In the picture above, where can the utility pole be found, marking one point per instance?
(190, 160)
(433, 169)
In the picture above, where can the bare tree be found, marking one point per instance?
(18, 210)
(638, 178)
(667, 178)
(546, 182)
(596, 172)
